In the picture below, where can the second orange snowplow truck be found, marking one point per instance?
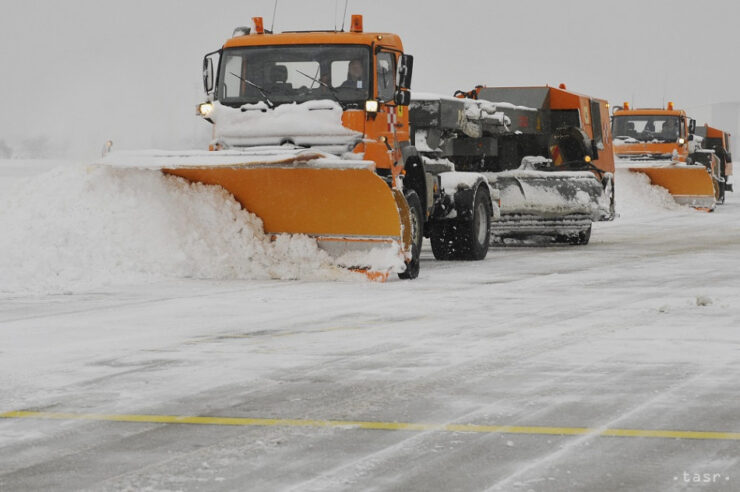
(659, 142)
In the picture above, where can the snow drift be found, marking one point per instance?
(80, 228)
(635, 196)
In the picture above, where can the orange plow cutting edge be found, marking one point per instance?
(689, 185)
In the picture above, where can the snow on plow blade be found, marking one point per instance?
(558, 203)
(688, 184)
(343, 204)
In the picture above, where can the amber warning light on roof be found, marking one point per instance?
(259, 26)
(356, 23)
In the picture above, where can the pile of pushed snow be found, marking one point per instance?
(636, 195)
(80, 228)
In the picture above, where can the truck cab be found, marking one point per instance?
(652, 133)
(346, 81)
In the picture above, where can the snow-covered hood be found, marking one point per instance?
(312, 124)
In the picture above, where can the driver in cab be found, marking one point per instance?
(355, 75)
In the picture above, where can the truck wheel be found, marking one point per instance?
(609, 191)
(468, 239)
(417, 235)
(442, 238)
(474, 236)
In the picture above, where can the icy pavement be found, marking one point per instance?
(638, 331)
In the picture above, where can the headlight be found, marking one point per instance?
(681, 141)
(371, 106)
(204, 109)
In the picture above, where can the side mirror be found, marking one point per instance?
(594, 150)
(208, 74)
(209, 81)
(729, 157)
(405, 68)
(692, 126)
(690, 137)
(402, 98)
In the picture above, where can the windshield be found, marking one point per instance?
(646, 128)
(286, 74)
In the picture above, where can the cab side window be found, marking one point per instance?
(596, 124)
(386, 69)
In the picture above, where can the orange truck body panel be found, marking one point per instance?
(565, 99)
(561, 98)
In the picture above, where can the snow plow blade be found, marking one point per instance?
(539, 203)
(343, 204)
(690, 185)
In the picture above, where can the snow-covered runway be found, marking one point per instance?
(639, 330)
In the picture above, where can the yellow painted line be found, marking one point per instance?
(397, 426)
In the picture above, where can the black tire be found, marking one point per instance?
(466, 240)
(474, 236)
(417, 235)
(442, 238)
(613, 205)
(612, 200)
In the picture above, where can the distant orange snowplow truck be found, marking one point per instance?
(660, 142)
(324, 119)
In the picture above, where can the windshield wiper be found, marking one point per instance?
(261, 90)
(331, 89)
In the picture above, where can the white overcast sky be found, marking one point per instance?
(83, 71)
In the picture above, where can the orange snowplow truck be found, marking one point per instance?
(660, 143)
(311, 134)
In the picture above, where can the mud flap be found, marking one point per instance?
(406, 228)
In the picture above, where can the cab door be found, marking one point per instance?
(384, 125)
